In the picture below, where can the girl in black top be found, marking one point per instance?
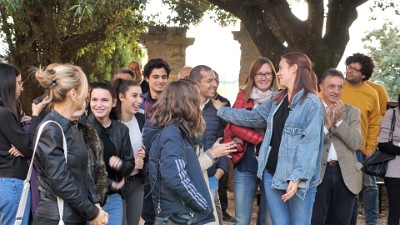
(114, 137)
(15, 145)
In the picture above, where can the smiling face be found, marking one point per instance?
(131, 100)
(207, 84)
(157, 80)
(101, 103)
(286, 74)
(331, 89)
(263, 77)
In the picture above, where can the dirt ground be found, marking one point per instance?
(360, 220)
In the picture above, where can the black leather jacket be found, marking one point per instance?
(119, 136)
(72, 183)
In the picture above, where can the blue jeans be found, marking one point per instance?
(10, 195)
(295, 211)
(213, 182)
(370, 197)
(114, 208)
(245, 185)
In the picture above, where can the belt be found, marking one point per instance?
(333, 163)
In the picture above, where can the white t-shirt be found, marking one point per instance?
(136, 137)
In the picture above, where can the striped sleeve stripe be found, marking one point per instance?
(180, 164)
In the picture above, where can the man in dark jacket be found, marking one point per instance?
(207, 81)
(156, 73)
(223, 181)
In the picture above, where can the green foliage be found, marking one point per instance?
(105, 33)
(384, 46)
(186, 12)
(122, 45)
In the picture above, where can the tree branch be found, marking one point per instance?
(340, 16)
(73, 43)
(256, 23)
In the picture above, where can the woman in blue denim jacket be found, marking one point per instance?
(289, 158)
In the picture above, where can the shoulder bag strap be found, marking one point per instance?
(393, 124)
(25, 191)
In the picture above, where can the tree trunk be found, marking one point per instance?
(275, 30)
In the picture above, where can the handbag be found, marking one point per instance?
(376, 164)
(25, 191)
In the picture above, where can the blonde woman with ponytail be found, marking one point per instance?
(67, 87)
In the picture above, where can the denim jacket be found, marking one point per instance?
(301, 144)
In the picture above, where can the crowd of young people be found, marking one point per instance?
(160, 155)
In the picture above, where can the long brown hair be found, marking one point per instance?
(179, 103)
(255, 66)
(121, 86)
(305, 76)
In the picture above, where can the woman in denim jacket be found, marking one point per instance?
(289, 158)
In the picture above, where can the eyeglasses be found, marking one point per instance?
(261, 75)
(352, 69)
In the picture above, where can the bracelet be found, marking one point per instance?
(210, 155)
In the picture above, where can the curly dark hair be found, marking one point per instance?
(156, 63)
(367, 64)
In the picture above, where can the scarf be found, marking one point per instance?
(259, 96)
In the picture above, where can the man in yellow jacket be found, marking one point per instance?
(356, 92)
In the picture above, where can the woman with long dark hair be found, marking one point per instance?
(117, 148)
(129, 98)
(15, 146)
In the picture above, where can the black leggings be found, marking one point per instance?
(393, 192)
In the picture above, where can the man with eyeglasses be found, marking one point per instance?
(358, 93)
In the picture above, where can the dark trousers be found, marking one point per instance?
(148, 213)
(44, 221)
(393, 192)
(222, 192)
(333, 201)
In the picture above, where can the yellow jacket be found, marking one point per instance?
(382, 95)
(365, 98)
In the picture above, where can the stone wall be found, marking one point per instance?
(249, 52)
(168, 43)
